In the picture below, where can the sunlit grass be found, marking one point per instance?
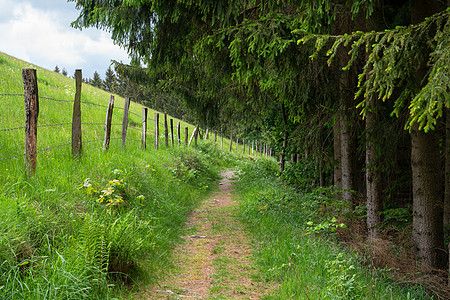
(57, 241)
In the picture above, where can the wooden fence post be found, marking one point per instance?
(206, 134)
(76, 117)
(171, 130)
(31, 97)
(193, 135)
(126, 108)
(109, 112)
(144, 128)
(243, 145)
(178, 133)
(166, 131)
(196, 136)
(156, 130)
(186, 135)
(231, 142)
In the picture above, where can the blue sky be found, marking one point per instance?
(39, 31)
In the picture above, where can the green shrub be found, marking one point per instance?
(301, 175)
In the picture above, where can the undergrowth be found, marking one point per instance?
(296, 245)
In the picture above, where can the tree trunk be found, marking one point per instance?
(285, 137)
(346, 156)
(337, 174)
(428, 234)
(374, 200)
(447, 169)
(373, 175)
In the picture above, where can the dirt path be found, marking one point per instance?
(215, 261)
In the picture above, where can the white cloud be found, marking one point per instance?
(40, 37)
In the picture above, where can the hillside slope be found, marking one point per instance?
(90, 227)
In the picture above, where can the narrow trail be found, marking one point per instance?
(214, 261)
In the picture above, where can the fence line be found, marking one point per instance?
(32, 108)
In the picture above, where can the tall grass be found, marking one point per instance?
(305, 260)
(96, 226)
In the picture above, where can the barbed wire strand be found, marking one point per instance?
(11, 157)
(7, 129)
(53, 99)
(11, 94)
(52, 125)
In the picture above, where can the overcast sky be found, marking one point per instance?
(39, 32)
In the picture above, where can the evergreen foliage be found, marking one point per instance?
(96, 80)
(110, 82)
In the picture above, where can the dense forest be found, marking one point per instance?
(359, 88)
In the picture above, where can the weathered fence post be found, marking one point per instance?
(186, 135)
(109, 112)
(144, 128)
(231, 142)
(31, 117)
(194, 134)
(76, 117)
(126, 108)
(156, 130)
(178, 133)
(166, 130)
(171, 130)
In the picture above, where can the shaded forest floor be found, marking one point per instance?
(215, 259)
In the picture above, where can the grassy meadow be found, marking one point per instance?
(100, 225)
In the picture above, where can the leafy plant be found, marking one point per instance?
(326, 226)
(112, 195)
(343, 282)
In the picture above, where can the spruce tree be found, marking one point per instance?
(110, 82)
(97, 81)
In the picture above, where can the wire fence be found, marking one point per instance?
(131, 125)
(163, 123)
(4, 95)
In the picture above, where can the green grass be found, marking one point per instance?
(57, 239)
(306, 265)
